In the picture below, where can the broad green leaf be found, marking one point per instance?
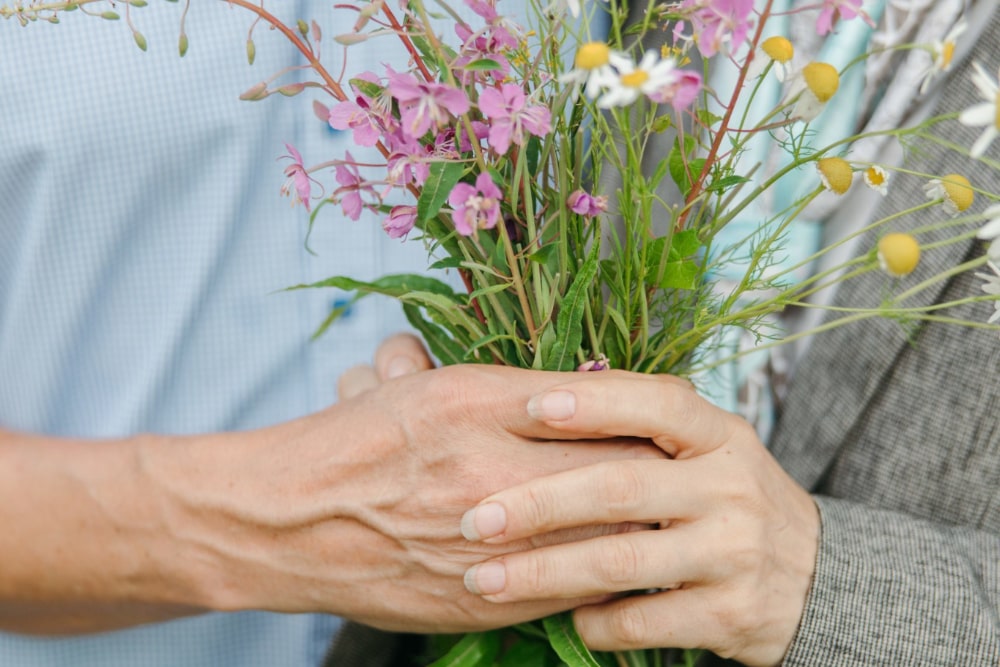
(441, 345)
(679, 275)
(447, 263)
(543, 254)
(439, 184)
(681, 163)
(473, 650)
(684, 243)
(526, 653)
(482, 65)
(569, 323)
(566, 642)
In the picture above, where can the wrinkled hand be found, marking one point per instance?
(355, 510)
(395, 357)
(735, 549)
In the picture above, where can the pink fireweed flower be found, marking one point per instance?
(834, 10)
(510, 118)
(718, 24)
(425, 104)
(601, 363)
(400, 221)
(352, 116)
(475, 206)
(352, 185)
(585, 204)
(298, 178)
(681, 92)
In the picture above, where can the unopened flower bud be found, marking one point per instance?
(256, 92)
(898, 254)
(251, 51)
(291, 89)
(303, 27)
(140, 41)
(110, 16)
(182, 44)
(349, 38)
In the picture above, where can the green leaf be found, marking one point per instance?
(726, 182)
(394, 285)
(366, 88)
(569, 323)
(566, 642)
(679, 275)
(680, 164)
(543, 254)
(482, 65)
(470, 354)
(707, 118)
(473, 650)
(447, 263)
(525, 653)
(531, 154)
(489, 289)
(685, 243)
(441, 345)
(439, 184)
(661, 123)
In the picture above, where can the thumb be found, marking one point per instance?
(399, 355)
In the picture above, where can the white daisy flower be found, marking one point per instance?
(985, 113)
(877, 179)
(631, 80)
(943, 52)
(991, 231)
(992, 287)
(954, 191)
(592, 68)
(776, 51)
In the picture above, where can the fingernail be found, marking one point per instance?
(483, 522)
(399, 366)
(486, 578)
(552, 406)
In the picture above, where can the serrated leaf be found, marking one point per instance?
(569, 322)
(439, 184)
(477, 649)
(566, 642)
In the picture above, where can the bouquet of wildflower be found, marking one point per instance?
(519, 153)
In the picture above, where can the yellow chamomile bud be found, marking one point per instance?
(958, 190)
(898, 254)
(835, 173)
(822, 79)
(778, 49)
(592, 55)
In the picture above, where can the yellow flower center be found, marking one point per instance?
(836, 174)
(875, 176)
(592, 55)
(778, 48)
(947, 53)
(898, 253)
(822, 79)
(667, 51)
(958, 190)
(996, 113)
(635, 79)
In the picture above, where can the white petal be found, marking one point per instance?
(990, 230)
(978, 115)
(984, 141)
(987, 87)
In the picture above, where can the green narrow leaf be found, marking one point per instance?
(726, 182)
(569, 323)
(439, 184)
(473, 650)
(367, 88)
(482, 65)
(441, 345)
(566, 642)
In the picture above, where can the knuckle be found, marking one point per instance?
(621, 566)
(534, 578)
(535, 508)
(622, 489)
(628, 626)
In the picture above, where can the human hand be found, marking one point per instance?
(355, 510)
(396, 356)
(737, 539)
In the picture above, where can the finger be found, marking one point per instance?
(660, 408)
(401, 354)
(639, 491)
(356, 380)
(599, 566)
(679, 618)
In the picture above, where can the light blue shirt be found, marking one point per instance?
(143, 247)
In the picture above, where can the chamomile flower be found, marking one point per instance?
(813, 87)
(835, 173)
(631, 80)
(898, 254)
(954, 191)
(985, 113)
(991, 231)
(776, 51)
(877, 179)
(992, 287)
(591, 68)
(943, 53)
